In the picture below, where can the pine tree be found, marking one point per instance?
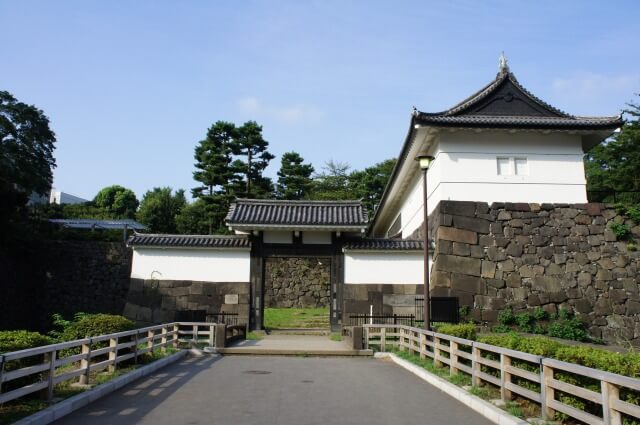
(249, 143)
(294, 177)
(215, 172)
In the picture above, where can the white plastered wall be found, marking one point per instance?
(465, 169)
(206, 265)
(362, 267)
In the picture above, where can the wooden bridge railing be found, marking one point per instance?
(40, 369)
(515, 373)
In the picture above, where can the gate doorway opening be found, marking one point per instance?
(297, 292)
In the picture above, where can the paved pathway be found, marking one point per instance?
(293, 344)
(280, 391)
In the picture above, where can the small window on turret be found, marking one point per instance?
(504, 166)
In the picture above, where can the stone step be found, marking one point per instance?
(299, 331)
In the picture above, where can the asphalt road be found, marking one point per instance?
(278, 390)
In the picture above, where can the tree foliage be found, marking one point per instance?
(194, 220)
(250, 148)
(26, 153)
(117, 201)
(332, 183)
(294, 177)
(159, 208)
(369, 184)
(615, 164)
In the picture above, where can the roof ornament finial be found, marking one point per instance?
(503, 64)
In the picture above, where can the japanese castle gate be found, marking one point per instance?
(229, 273)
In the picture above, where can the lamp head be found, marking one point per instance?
(425, 161)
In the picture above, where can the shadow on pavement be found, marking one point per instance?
(133, 402)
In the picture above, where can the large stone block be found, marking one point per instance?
(460, 208)
(546, 284)
(461, 265)
(466, 283)
(478, 225)
(457, 235)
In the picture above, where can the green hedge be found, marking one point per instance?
(86, 325)
(466, 330)
(21, 340)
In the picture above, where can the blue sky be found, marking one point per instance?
(130, 87)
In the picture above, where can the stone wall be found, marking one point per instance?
(160, 301)
(65, 277)
(385, 299)
(525, 256)
(297, 282)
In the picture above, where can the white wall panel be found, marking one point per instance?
(208, 265)
(383, 267)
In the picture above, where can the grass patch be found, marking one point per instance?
(254, 336)
(296, 318)
(514, 409)
(335, 336)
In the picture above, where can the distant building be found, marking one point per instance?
(59, 197)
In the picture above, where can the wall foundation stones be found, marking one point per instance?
(554, 256)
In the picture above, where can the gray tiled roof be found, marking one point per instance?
(260, 212)
(505, 103)
(383, 244)
(189, 241)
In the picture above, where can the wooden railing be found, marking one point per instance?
(41, 369)
(515, 373)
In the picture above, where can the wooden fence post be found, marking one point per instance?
(152, 338)
(453, 358)
(436, 352)
(163, 341)
(548, 393)
(212, 335)
(51, 357)
(383, 339)
(610, 393)
(221, 335)
(1, 371)
(176, 335)
(113, 352)
(475, 365)
(423, 345)
(194, 335)
(505, 377)
(85, 363)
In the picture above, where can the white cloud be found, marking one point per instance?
(289, 114)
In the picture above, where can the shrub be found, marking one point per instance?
(568, 327)
(86, 325)
(634, 214)
(539, 345)
(525, 322)
(506, 317)
(620, 230)
(510, 340)
(465, 331)
(539, 313)
(21, 340)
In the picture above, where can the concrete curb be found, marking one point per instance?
(63, 408)
(486, 409)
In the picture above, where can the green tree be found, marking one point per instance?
(332, 183)
(117, 201)
(159, 208)
(214, 172)
(369, 184)
(615, 164)
(294, 177)
(250, 145)
(193, 219)
(26, 153)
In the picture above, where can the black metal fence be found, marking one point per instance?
(443, 309)
(382, 319)
(230, 319)
(613, 196)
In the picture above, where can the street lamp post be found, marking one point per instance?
(425, 162)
